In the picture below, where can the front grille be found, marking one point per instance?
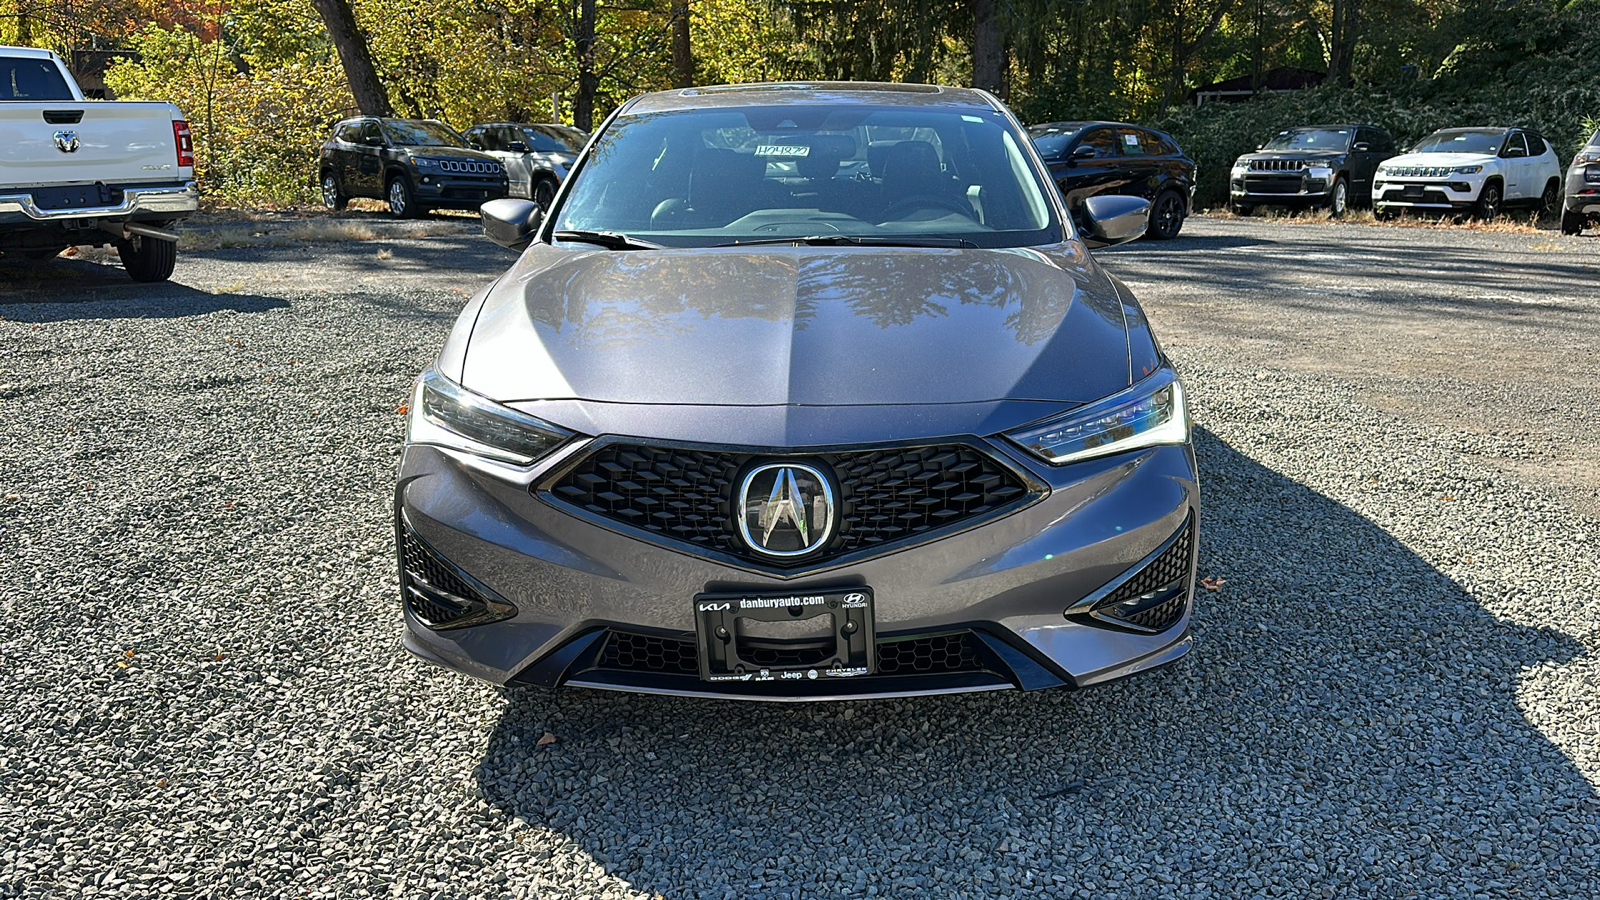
(934, 655)
(471, 166)
(886, 497)
(1162, 583)
(1277, 165)
(1415, 171)
(436, 593)
(1273, 185)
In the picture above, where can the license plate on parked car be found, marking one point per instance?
(1413, 192)
(741, 636)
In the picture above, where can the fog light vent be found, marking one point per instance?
(1155, 597)
(439, 594)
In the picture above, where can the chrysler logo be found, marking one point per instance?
(67, 141)
(785, 509)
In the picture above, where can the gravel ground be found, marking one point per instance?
(1395, 691)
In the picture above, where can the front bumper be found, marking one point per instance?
(1288, 188)
(28, 209)
(1458, 192)
(1000, 591)
(458, 191)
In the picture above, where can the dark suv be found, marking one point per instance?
(1582, 204)
(1328, 166)
(1091, 158)
(414, 164)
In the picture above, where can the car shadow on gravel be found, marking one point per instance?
(1348, 724)
(33, 294)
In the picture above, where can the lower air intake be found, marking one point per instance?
(1156, 596)
(438, 593)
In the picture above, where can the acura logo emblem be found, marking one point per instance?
(67, 141)
(785, 509)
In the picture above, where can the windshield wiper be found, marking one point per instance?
(611, 240)
(859, 240)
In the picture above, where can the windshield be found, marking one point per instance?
(554, 138)
(1461, 142)
(696, 178)
(1595, 140)
(403, 133)
(1051, 140)
(1311, 139)
(28, 79)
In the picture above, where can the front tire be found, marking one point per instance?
(332, 197)
(1572, 223)
(1166, 216)
(1339, 197)
(402, 199)
(148, 259)
(544, 193)
(1488, 205)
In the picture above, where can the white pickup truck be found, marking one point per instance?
(89, 173)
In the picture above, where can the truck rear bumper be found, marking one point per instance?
(159, 202)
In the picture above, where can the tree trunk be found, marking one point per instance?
(988, 47)
(371, 98)
(682, 49)
(588, 80)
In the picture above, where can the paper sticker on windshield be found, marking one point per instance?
(1132, 140)
(783, 150)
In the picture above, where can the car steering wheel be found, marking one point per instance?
(923, 202)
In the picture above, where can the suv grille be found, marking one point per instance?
(1416, 171)
(471, 166)
(935, 655)
(1161, 585)
(886, 497)
(1277, 165)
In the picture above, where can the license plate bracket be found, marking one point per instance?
(1413, 192)
(726, 656)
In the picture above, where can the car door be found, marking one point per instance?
(1514, 153)
(341, 153)
(1365, 154)
(518, 162)
(1090, 166)
(368, 180)
(1139, 173)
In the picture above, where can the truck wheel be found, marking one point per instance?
(402, 199)
(1571, 222)
(332, 197)
(1488, 205)
(1166, 217)
(544, 192)
(148, 259)
(1339, 197)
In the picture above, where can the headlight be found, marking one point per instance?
(1149, 413)
(447, 414)
(1467, 170)
(422, 162)
(1240, 165)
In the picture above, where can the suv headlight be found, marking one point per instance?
(1151, 412)
(422, 162)
(1240, 165)
(447, 414)
(1467, 170)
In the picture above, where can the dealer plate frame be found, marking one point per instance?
(717, 633)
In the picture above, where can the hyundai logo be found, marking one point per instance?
(785, 509)
(67, 141)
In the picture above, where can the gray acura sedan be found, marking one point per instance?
(800, 392)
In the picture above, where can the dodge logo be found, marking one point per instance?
(67, 141)
(785, 509)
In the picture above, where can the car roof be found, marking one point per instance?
(29, 52)
(1478, 129)
(1049, 127)
(800, 93)
(1342, 126)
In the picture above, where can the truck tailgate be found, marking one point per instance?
(116, 143)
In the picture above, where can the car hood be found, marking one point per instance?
(800, 326)
(448, 152)
(1440, 159)
(1294, 154)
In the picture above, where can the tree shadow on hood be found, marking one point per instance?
(1348, 724)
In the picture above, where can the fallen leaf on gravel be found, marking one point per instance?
(12, 498)
(217, 658)
(1214, 583)
(128, 653)
(545, 740)
(161, 782)
(402, 409)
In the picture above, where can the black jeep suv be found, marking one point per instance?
(1091, 158)
(414, 164)
(1330, 166)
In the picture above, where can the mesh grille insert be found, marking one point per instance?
(937, 654)
(885, 496)
(1171, 566)
(435, 593)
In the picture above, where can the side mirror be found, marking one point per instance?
(1114, 219)
(511, 223)
(1082, 151)
(371, 141)
(1260, 147)
(517, 147)
(474, 143)
(1516, 153)
(1363, 147)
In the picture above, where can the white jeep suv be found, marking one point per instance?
(1483, 170)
